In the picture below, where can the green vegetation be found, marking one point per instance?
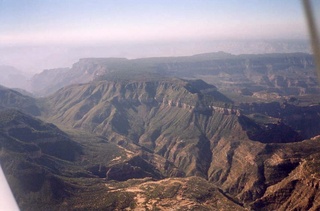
(135, 137)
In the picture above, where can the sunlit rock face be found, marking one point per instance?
(146, 139)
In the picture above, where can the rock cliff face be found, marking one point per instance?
(86, 70)
(191, 125)
(168, 117)
(251, 170)
(304, 120)
(284, 74)
(48, 81)
(144, 140)
(299, 190)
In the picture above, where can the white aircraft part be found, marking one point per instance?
(7, 200)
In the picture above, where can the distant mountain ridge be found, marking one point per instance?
(13, 78)
(285, 74)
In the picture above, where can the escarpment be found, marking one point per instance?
(255, 75)
(163, 116)
(299, 190)
(135, 137)
(189, 124)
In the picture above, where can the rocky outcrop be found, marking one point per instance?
(85, 70)
(298, 191)
(189, 129)
(304, 120)
(274, 176)
(253, 156)
(283, 74)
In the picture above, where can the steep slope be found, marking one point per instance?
(168, 117)
(49, 81)
(127, 132)
(303, 119)
(33, 156)
(259, 76)
(13, 99)
(36, 159)
(299, 190)
(246, 170)
(47, 137)
(189, 124)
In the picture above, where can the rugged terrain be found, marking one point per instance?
(34, 156)
(262, 76)
(14, 99)
(150, 141)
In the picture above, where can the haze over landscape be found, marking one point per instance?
(37, 35)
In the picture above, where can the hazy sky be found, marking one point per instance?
(95, 21)
(42, 34)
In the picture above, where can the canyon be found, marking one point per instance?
(202, 132)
